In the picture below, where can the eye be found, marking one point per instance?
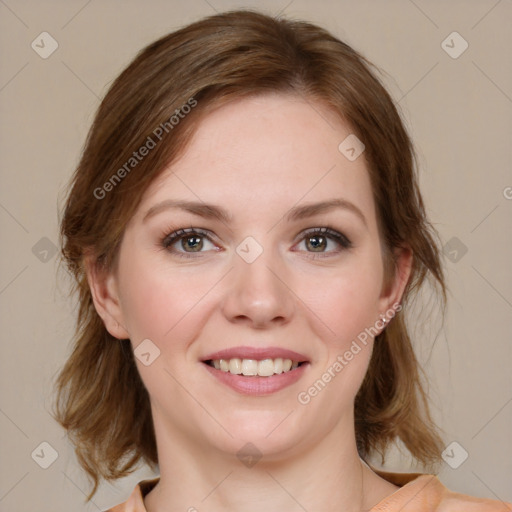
(191, 242)
(319, 240)
(185, 242)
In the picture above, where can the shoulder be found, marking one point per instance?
(425, 493)
(455, 502)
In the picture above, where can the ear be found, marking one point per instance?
(105, 296)
(393, 287)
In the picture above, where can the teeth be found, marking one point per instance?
(235, 366)
(252, 367)
(266, 368)
(249, 367)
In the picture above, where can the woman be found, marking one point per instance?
(244, 228)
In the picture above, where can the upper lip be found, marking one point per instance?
(258, 353)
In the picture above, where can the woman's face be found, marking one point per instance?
(265, 271)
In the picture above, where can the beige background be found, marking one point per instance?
(459, 113)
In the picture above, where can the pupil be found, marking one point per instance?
(317, 245)
(196, 243)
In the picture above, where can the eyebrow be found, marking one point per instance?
(311, 209)
(208, 211)
(211, 211)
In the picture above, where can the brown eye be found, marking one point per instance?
(195, 243)
(186, 242)
(317, 243)
(321, 241)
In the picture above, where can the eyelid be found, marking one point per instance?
(174, 235)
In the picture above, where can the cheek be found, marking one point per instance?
(161, 304)
(166, 309)
(347, 301)
(348, 307)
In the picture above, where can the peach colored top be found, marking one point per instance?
(417, 493)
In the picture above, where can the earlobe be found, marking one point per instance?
(105, 297)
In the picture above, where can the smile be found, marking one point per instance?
(256, 371)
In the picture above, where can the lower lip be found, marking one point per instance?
(256, 385)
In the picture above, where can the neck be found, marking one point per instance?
(328, 476)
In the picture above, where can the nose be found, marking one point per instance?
(257, 293)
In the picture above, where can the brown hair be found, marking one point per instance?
(101, 400)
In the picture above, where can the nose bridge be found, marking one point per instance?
(257, 290)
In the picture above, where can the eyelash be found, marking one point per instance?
(175, 236)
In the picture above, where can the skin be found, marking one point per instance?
(257, 158)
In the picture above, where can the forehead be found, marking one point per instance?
(273, 149)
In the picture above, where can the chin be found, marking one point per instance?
(270, 433)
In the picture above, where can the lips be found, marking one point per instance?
(281, 368)
(258, 353)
